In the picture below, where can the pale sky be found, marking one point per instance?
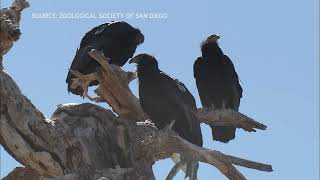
(274, 46)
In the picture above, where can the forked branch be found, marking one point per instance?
(168, 142)
(89, 142)
(114, 90)
(229, 117)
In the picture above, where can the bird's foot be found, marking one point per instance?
(84, 81)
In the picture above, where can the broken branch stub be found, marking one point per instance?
(113, 87)
(229, 117)
(85, 141)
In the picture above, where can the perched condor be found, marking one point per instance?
(218, 84)
(117, 40)
(165, 99)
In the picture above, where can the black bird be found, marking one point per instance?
(117, 40)
(218, 84)
(165, 99)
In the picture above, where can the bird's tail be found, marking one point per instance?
(223, 133)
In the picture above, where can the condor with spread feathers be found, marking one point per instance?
(117, 40)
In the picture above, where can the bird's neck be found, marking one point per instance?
(148, 74)
(211, 50)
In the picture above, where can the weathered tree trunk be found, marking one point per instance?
(85, 141)
(9, 24)
(78, 139)
(23, 173)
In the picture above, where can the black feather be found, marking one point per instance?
(165, 99)
(218, 85)
(117, 40)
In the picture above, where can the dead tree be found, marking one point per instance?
(85, 141)
(9, 24)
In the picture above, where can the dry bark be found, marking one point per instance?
(23, 173)
(9, 25)
(88, 141)
(78, 139)
(85, 141)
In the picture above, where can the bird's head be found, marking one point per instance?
(144, 59)
(213, 38)
(146, 64)
(210, 46)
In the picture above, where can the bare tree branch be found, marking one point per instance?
(23, 173)
(249, 164)
(167, 143)
(9, 25)
(48, 145)
(229, 117)
(78, 139)
(115, 174)
(114, 88)
(88, 142)
(225, 117)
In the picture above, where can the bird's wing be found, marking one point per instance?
(183, 100)
(104, 31)
(187, 97)
(179, 91)
(83, 63)
(232, 74)
(93, 35)
(197, 67)
(115, 39)
(204, 88)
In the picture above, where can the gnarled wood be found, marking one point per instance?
(229, 117)
(114, 88)
(9, 25)
(23, 173)
(78, 139)
(85, 141)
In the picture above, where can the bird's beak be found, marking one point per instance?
(135, 60)
(213, 38)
